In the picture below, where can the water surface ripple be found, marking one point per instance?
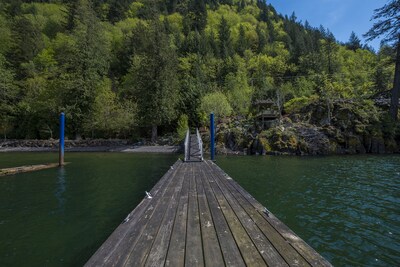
(60, 217)
(347, 208)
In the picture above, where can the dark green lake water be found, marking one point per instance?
(347, 208)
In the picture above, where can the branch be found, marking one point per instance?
(389, 26)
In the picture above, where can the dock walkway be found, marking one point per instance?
(197, 215)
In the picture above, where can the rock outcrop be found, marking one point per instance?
(349, 128)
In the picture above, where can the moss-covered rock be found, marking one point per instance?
(343, 127)
(280, 139)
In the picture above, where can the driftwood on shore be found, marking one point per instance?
(29, 168)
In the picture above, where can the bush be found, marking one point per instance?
(294, 105)
(217, 103)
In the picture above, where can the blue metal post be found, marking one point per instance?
(61, 146)
(212, 137)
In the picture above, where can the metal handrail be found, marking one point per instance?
(187, 145)
(200, 143)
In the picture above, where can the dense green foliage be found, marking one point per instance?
(388, 26)
(118, 67)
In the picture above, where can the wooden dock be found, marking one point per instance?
(199, 216)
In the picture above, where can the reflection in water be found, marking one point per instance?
(59, 217)
(60, 189)
(347, 208)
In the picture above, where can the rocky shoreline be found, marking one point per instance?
(347, 127)
(351, 128)
(92, 145)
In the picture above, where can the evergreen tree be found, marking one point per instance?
(307, 26)
(7, 40)
(8, 97)
(329, 50)
(204, 47)
(71, 14)
(152, 80)
(264, 13)
(213, 4)
(226, 2)
(117, 10)
(383, 76)
(86, 66)
(293, 17)
(193, 84)
(171, 6)
(166, 57)
(198, 15)
(213, 44)
(388, 26)
(29, 42)
(241, 44)
(241, 5)
(192, 43)
(322, 31)
(225, 41)
(262, 40)
(151, 10)
(354, 42)
(296, 41)
(12, 7)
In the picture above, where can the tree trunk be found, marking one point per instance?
(153, 133)
(394, 103)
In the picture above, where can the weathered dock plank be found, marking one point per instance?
(194, 246)
(199, 216)
(211, 246)
(116, 248)
(139, 252)
(160, 245)
(266, 249)
(176, 251)
(301, 248)
(229, 248)
(248, 251)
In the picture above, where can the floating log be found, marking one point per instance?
(28, 168)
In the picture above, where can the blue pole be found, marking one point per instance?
(61, 145)
(212, 137)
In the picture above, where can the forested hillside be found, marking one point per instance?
(119, 68)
